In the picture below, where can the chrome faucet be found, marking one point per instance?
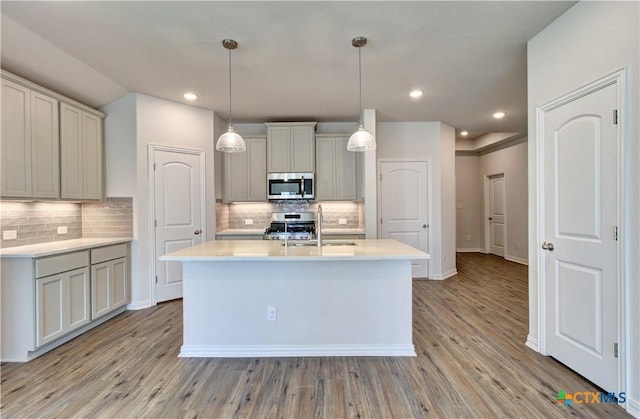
(319, 226)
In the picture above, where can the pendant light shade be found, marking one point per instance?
(361, 140)
(230, 141)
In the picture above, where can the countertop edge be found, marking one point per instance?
(58, 247)
(345, 258)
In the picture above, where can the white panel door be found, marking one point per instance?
(497, 215)
(404, 207)
(178, 214)
(580, 212)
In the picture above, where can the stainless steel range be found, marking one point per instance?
(291, 225)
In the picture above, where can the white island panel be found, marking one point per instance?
(345, 308)
(330, 301)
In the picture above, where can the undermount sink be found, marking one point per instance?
(315, 243)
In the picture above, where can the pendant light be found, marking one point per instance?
(361, 140)
(230, 141)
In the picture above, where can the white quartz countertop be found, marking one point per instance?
(260, 231)
(241, 232)
(53, 248)
(273, 250)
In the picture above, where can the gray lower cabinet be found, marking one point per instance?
(46, 301)
(62, 299)
(109, 279)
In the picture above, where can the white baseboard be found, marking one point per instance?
(532, 343)
(444, 275)
(139, 305)
(255, 351)
(633, 407)
(517, 260)
(470, 250)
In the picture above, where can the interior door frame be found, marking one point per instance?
(428, 162)
(151, 210)
(487, 210)
(617, 78)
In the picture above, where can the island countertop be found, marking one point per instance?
(274, 250)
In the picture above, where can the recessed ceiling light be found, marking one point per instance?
(464, 133)
(498, 115)
(190, 96)
(416, 94)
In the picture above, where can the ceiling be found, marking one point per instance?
(294, 61)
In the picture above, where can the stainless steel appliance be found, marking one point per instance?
(291, 225)
(290, 186)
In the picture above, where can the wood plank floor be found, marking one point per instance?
(469, 333)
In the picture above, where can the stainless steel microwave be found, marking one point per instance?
(290, 186)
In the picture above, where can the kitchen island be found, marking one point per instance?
(262, 298)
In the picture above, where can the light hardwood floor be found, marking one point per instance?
(469, 333)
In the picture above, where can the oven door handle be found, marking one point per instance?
(302, 185)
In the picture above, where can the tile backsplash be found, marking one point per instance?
(38, 222)
(111, 218)
(235, 216)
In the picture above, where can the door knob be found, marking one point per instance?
(425, 225)
(198, 231)
(547, 246)
(490, 218)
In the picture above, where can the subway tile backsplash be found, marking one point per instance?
(235, 216)
(111, 218)
(38, 222)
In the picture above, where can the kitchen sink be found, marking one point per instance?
(315, 243)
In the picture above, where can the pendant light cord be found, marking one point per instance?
(229, 87)
(360, 80)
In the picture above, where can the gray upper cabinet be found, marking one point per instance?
(291, 147)
(81, 154)
(30, 143)
(52, 146)
(336, 169)
(245, 174)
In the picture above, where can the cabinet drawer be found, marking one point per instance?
(61, 263)
(103, 254)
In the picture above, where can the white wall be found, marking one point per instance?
(469, 204)
(589, 41)
(158, 122)
(434, 141)
(120, 146)
(471, 171)
(512, 161)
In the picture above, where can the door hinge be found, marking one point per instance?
(155, 223)
(156, 279)
(615, 233)
(615, 350)
(154, 167)
(380, 177)
(615, 117)
(380, 220)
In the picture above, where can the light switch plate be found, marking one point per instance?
(9, 234)
(248, 221)
(342, 221)
(62, 230)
